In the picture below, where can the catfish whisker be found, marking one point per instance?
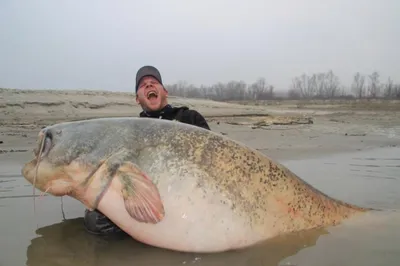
(43, 193)
(62, 209)
(38, 158)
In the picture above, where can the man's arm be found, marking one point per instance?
(195, 118)
(200, 121)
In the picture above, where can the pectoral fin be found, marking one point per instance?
(141, 196)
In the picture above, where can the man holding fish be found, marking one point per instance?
(151, 95)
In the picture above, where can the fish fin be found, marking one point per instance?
(141, 196)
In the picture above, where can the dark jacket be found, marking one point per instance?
(182, 114)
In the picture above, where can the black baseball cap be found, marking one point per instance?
(147, 71)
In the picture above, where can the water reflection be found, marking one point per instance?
(67, 243)
(369, 178)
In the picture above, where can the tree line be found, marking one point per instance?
(230, 91)
(324, 85)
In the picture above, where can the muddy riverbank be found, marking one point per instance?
(351, 155)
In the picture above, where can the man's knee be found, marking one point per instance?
(97, 223)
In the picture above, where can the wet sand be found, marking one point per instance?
(352, 155)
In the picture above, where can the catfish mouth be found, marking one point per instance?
(30, 170)
(45, 144)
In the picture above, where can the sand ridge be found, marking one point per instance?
(30, 106)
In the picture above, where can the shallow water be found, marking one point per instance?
(369, 178)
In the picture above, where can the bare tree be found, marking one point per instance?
(235, 90)
(389, 88)
(358, 85)
(317, 85)
(260, 90)
(396, 91)
(256, 89)
(305, 85)
(218, 90)
(320, 84)
(374, 86)
(331, 85)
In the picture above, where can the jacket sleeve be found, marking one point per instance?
(199, 120)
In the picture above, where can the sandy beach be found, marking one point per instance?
(347, 149)
(283, 130)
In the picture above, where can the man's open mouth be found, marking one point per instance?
(152, 95)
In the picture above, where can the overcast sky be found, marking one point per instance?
(100, 44)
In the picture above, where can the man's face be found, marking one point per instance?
(151, 95)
